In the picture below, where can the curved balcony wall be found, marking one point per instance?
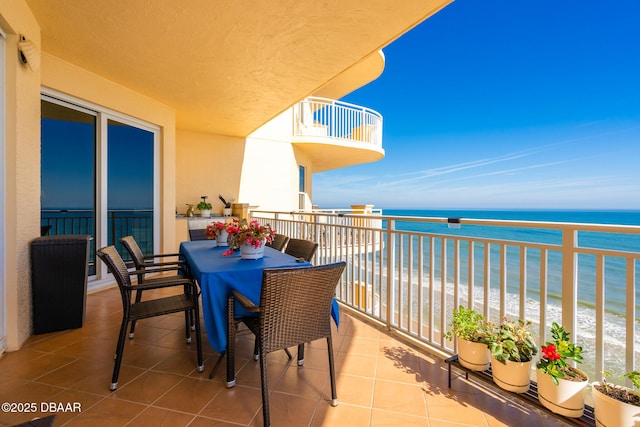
(337, 134)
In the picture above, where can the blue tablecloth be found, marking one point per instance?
(218, 275)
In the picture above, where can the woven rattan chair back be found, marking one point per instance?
(295, 305)
(134, 250)
(117, 267)
(186, 302)
(301, 248)
(295, 308)
(279, 242)
(198, 234)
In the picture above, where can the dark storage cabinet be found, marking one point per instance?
(59, 269)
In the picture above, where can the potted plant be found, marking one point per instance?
(204, 207)
(214, 231)
(616, 405)
(249, 236)
(561, 386)
(511, 355)
(474, 333)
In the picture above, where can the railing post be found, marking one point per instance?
(569, 283)
(391, 256)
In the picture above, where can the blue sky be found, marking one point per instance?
(505, 104)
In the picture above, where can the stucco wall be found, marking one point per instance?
(207, 165)
(22, 174)
(270, 168)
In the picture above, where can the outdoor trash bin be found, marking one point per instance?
(59, 269)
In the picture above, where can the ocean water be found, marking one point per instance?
(615, 268)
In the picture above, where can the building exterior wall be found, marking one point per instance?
(270, 168)
(22, 174)
(207, 165)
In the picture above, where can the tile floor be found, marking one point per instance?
(381, 381)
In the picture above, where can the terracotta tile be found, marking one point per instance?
(399, 365)
(190, 395)
(148, 387)
(303, 381)
(380, 418)
(236, 405)
(352, 390)
(362, 346)
(355, 364)
(108, 412)
(343, 415)
(289, 410)
(159, 417)
(399, 397)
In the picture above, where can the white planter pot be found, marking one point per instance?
(474, 356)
(512, 376)
(223, 238)
(206, 213)
(248, 251)
(610, 412)
(566, 398)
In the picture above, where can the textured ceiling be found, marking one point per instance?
(228, 67)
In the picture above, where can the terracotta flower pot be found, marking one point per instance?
(566, 398)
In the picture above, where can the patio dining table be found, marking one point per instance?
(218, 275)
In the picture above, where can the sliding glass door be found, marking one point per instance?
(98, 176)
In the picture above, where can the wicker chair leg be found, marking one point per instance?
(119, 351)
(231, 343)
(265, 390)
(300, 354)
(187, 326)
(198, 337)
(133, 322)
(332, 373)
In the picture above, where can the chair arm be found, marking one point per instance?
(246, 302)
(180, 256)
(157, 284)
(153, 270)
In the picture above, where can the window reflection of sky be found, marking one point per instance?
(68, 162)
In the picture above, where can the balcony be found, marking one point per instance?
(337, 134)
(407, 274)
(381, 381)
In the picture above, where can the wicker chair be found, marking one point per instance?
(295, 307)
(132, 311)
(301, 248)
(279, 242)
(198, 234)
(147, 265)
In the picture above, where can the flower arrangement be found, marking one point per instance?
(250, 232)
(214, 229)
(556, 353)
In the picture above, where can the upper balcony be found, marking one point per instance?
(337, 134)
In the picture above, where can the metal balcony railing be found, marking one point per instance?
(409, 273)
(136, 223)
(320, 117)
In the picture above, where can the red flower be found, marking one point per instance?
(550, 353)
